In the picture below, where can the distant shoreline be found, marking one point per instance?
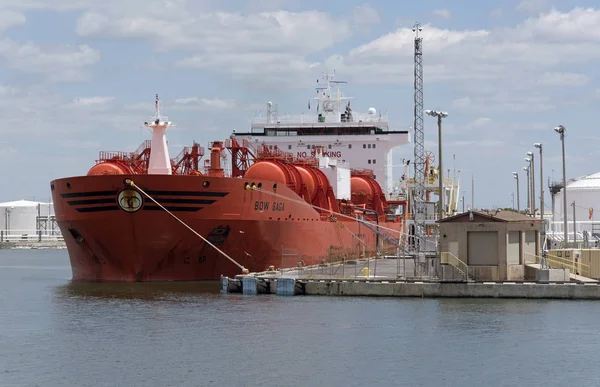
(32, 245)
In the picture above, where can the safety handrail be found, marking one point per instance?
(555, 262)
(448, 258)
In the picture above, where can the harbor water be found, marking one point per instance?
(57, 333)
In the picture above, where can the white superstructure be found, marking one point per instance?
(363, 141)
(160, 163)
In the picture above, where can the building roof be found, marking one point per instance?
(21, 203)
(500, 216)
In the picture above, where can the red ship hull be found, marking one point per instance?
(105, 242)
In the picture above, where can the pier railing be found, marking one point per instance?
(552, 261)
(447, 258)
(30, 235)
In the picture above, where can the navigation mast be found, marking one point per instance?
(419, 208)
(160, 163)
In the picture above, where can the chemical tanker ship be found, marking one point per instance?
(141, 216)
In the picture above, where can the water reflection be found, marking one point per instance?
(146, 291)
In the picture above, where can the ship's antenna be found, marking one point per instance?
(420, 209)
(157, 107)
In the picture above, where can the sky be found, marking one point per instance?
(80, 76)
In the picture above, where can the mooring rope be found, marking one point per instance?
(132, 184)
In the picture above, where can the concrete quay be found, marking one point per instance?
(382, 288)
(33, 245)
(390, 282)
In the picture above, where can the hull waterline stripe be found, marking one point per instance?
(187, 193)
(91, 201)
(187, 201)
(172, 208)
(98, 209)
(85, 194)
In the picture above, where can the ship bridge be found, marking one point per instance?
(364, 141)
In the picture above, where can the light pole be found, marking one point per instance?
(526, 169)
(561, 131)
(530, 154)
(539, 146)
(439, 115)
(516, 176)
(513, 200)
(529, 180)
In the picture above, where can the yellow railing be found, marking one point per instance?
(555, 262)
(450, 259)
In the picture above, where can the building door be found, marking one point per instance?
(482, 248)
(453, 249)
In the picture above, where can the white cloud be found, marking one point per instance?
(445, 13)
(271, 44)
(213, 103)
(480, 122)
(10, 19)
(497, 13)
(477, 143)
(7, 153)
(504, 68)
(89, 101)
(218, 32)
(562, 79)
(532, 5)
(364, 15)
(57, 62)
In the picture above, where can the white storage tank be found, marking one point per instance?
(585, 192)
(20, 217)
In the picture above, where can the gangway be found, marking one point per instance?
(386, 236)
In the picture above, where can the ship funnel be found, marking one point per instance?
(215, 159)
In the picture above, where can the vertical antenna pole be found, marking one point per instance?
(419, 156)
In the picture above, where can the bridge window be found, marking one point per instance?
(364, 146)
(374, 146)
(369, 146)
(329, 146)
(308, 147)
(289, 147)
(349, 146)
(369, 161)
(374, 161)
